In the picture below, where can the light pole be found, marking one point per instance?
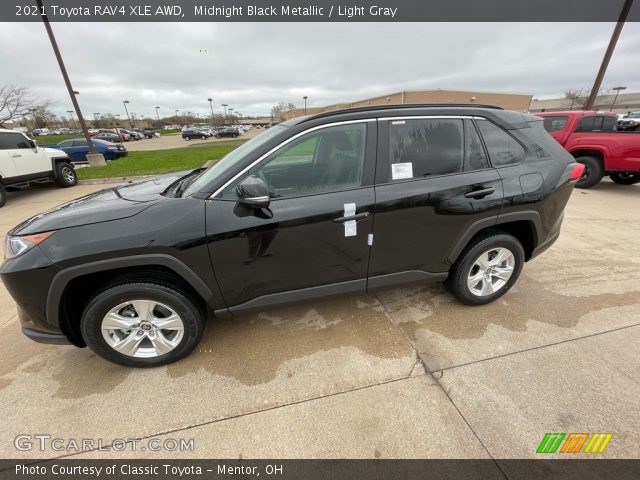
(617, 89)
(73, 122)
(231, 113)
(67, 81)
(96, 119)
(124, 102)
(157, 114)
(211, 105)
(305, 104)
(177, 116)
(225, 113)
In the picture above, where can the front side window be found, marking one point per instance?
(421, 148)
(325, 160)
(12, 141)
(503, 148)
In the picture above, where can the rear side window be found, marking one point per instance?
(503, 148)
(11, 141)
(598, 123)
(425, 147)
(553, 124)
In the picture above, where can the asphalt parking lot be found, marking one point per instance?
(176, 141)
(405, 373)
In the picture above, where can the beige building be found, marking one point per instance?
(508, 101)
(626, 102)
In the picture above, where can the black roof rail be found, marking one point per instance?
(400, 106)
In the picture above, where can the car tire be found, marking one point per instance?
(203, 137)
(623, 178)
(187, 138)
(147, 344)
(65, 175)
(500, 255)
(593, 172)
(3, 196)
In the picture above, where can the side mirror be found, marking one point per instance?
(33, 144)
(253, 192)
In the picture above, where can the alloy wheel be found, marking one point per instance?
(490, 272)
(142, 328)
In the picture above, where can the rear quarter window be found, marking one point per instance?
(554, 124)
(503, 148)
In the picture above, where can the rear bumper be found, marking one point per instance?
(42, 337)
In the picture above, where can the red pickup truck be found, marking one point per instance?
(592, 138)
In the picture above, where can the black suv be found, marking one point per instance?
(341, 202)
(192, 133)
(227, 132)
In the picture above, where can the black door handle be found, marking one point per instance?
(480, 193)
(359, 216)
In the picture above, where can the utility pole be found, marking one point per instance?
(607, 56)
(98, 158)
(615, 99)
(305, 104)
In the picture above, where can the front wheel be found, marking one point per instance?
(625, 178)
(65, 175)
(486, 270)
(142, 324)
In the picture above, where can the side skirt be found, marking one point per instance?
(331, 290)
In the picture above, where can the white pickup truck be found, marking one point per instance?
(22, 162)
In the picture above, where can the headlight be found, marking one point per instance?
(14, 246)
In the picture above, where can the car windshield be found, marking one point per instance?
(231, 158)
(634, 115)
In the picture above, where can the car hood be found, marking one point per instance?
(114, 203)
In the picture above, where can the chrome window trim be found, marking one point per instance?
(280, 145)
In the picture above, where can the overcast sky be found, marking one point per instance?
(252, 66)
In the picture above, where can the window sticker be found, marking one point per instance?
(401, 171)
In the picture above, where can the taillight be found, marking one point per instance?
(577, 172)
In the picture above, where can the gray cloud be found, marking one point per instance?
(252, 66)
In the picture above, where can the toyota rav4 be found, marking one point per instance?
(340, 202)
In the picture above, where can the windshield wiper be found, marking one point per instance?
(180, 185)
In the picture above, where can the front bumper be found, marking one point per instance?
(42, 337)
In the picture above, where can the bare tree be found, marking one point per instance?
(576, 98)
(17, 102)
(278, 111)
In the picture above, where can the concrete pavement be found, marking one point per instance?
(405, 373)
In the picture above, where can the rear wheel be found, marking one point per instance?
(593, 172)
(142, 324)
(486, 270)
(3, 195)
(65, 175)
(625, 178)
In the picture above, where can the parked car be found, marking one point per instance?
(109, 137)
(23, 162)
(630, 122)
(191, 133)
(227, 132)
(77, 149)
(592, 138)
(149, 133)
(134, 134)
(341, 202)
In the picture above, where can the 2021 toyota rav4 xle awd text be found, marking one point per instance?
(350, 201)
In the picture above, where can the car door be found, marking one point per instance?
(433, 182)
(26, 159)
(313, 238)
(7, 166)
